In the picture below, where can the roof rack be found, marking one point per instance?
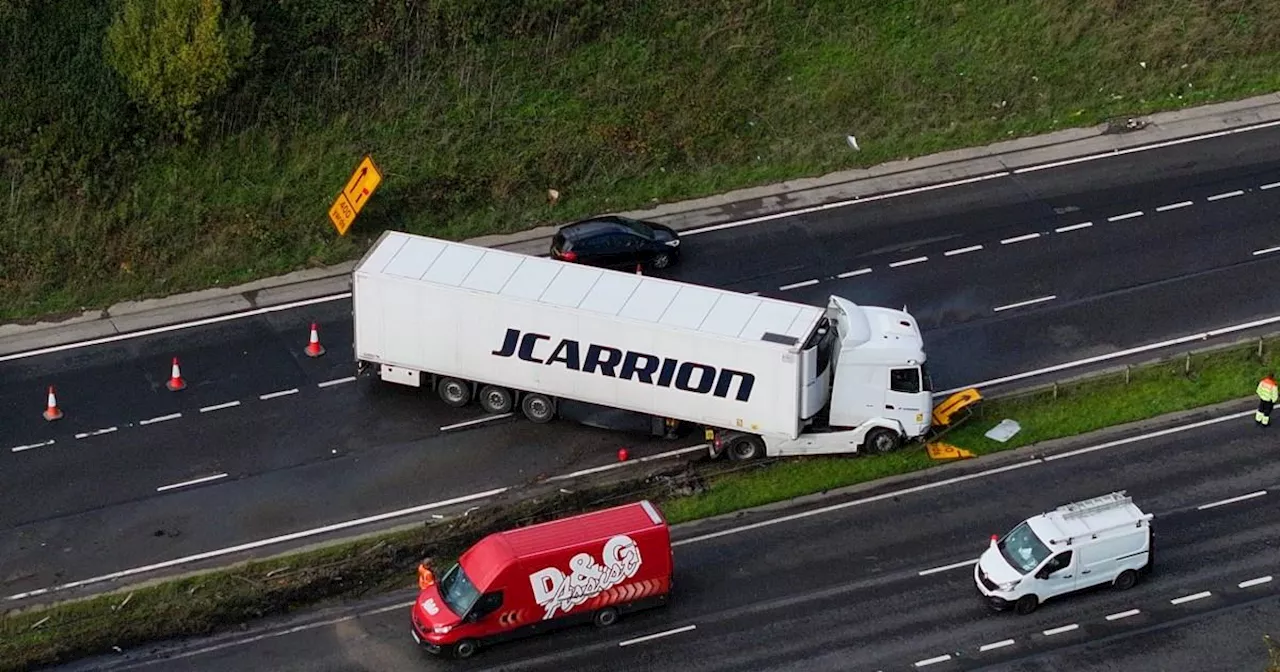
(1094, 504)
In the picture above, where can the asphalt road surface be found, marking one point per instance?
(266, 441)
(888, 584)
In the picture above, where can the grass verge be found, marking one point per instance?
(473, 109)
(216, 600)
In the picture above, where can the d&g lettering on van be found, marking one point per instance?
(630, 365)
(556, 591)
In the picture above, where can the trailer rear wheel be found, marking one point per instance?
(745, 447)
(496, 400)
(454, 391)
(881, 441)
(538, 408)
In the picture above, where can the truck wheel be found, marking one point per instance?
(1126, 580)
(661, 260)
(496, 400)
(1026, 604)
(465, 648)
(454, 392)
(744, 448)
(538, 408)
(606, 617)
(881, 441)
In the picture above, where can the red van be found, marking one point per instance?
(590, 567)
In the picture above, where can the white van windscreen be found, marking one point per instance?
(1022, 549)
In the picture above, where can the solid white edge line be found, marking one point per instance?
(797, 285)
(1144, 148)
(1189, 598)
(1152, 435)
(1232, 500)
(1254, 582)
(1073, 227)
(338, 381)
(1022, 304)
(1127, 215)
(163, 418)
(1019, 239)
(1123, 614)
(19, 449)
(1268, 250)
(1057, 631)
(258, 544)
(477, 421)
(995, 645)
(219, 407)
(933, 661)
(1174, 206)
(274, 395)
(1273, 185)
(619, 465)
(962, 250)
(947, 568)
(850, 274)
(908, 262)
(194, 481)
(657, 635)
(1229, 194)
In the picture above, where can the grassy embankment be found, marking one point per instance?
(474, 109)
(214, 601)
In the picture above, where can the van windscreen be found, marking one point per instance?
(457, 591)
(1023, 549)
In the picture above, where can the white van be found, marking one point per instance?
(1096, 541)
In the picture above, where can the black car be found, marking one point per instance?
(617, 242)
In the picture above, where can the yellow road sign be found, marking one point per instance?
(946, 451)
(362, 184)
(342, 214)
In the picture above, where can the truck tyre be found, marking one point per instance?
(1126, 580)
(745, 447)
(465, 648)
(881, 441)
(454, 391)
(661, 260)
(606, 617)
(1026, 604)
(496, 400)
(538, 408)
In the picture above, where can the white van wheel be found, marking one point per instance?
(881, 441)
(606, 617)
(454, 391)
(1026, 604)
(495, 400)
(1126, 580)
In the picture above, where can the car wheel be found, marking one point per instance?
(745, 448)
(1026, 604)
(661, 260)
(454, 392)
(881, 441)
(465, 648)
(1126, 580)
(606, 617)
(538, 408)
(496, 400)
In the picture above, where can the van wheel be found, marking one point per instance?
(465, 648)
(606, 617)
(538, 408)
(454, 392)
(662, 260)
(745, 448)
(881, 441)
(1026, 604)
(1126, 580)
(496, 400)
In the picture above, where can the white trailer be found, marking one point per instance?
(517, 331)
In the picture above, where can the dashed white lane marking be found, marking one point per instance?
(96, 432)
(19, 449)
(908, 262)
(1019, 239)
(962, 250)
(947, 568)
(619, 465)
(933, 661)
(163, 418)
(1229, 194)
(477, 421)
(194, 481)
(797, 285)
(1273, 185)
(1123, 614)
(1268, 250)
(219, 407)
(1190, 598)
(1073, 227)
(1058, 631)
(1021, 304)
(1233, 500)
(1254, 582)
(281, 393)
(1174, 206)
(1127, 215)
(850, 274)
(339, 381)
(995, 645)
(657, 635)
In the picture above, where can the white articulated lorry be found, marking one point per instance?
(760, 376)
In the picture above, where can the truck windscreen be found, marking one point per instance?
(457, 591)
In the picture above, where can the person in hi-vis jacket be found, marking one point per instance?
(1268, 393)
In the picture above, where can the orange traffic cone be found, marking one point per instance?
(639, 270)
(175, 378)
(314, 349)
(52, 412)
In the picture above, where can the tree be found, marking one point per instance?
(176, 54)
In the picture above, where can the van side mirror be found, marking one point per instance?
(1044, 573)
